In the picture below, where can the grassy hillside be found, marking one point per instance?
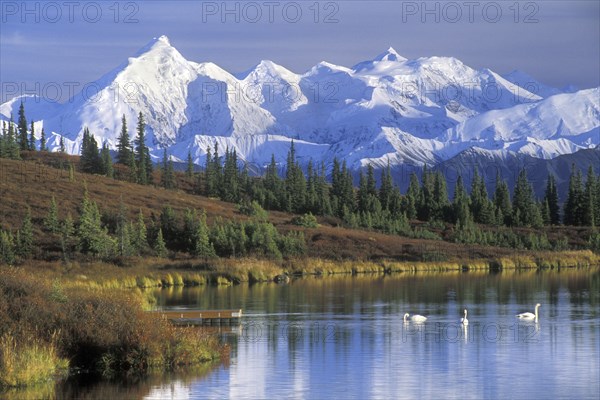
(33, 181)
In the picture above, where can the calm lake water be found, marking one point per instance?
(344, 338)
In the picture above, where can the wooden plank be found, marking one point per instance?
(200, 314)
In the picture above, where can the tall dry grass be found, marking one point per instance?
(29, 360)
(44, 322)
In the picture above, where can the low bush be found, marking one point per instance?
(306, 221)
(29, 360)
(42, 324)
(594, 242)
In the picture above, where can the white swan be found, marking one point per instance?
(528, 315)
(464, 320)
(415, 318)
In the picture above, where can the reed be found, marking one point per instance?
(98, 329)
(29, 360)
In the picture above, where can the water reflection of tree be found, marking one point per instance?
(349, 295)
(130, 387)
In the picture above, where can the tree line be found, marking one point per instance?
(109, 235)
(383, 206)
(16, 137)
(309, 191)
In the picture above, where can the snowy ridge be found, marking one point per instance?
(528, 83)
(385, 110)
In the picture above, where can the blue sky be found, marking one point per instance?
(44, 44)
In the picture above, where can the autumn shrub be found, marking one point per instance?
(29, 360)
(42, 324)
(306, 221)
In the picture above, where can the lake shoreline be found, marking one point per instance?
(48, 287)
(154, 272)
(52, 328)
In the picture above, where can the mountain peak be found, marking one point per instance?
(389, 55)
(161, 42)
(267, 65)
(325, 67)
(163, 39)
(266, 68)
(384, 109)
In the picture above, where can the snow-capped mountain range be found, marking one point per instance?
(389, 109)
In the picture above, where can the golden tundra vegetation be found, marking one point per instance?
(89, 314)
(48, 324)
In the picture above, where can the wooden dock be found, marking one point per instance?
(202, 317)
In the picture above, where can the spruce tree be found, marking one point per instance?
(202, 246)
(124, 145)
(386, 188)
(67, 232)
(220, 239)
(139, 238)
(51, 222)
(43, 146)
(460, 204)
(597, 203)
(62, 145)
(261, 239)
(573, 207)
(90, 158)
(167, 177)
(537, 219)
(217, 167)
(551, 199)
(3, 140)
(425, 202)
(133, 174)
(93, 238)
(209, 175)
(395, 203)
(525, 209)
(440, 197)
(311, 188)
(160, 248)
(346, 190)
(362, 193)
(213, 172)
(189, 171)
(169, 226)
(122, 231)
(11, 146)
(501, 200)
(335, 178)
(316, 190)
(106, 161)
(589, 199)
(371, 183)
(142, 155)
(483, 211)
(149, 166)
(413, 196)
(190, 229)
(275, 196)
(7, 248)
(323, 192)
(230, 188)
(31, 145)
(22, 128)
(24, 244)
(545, 209)
(199, 184)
